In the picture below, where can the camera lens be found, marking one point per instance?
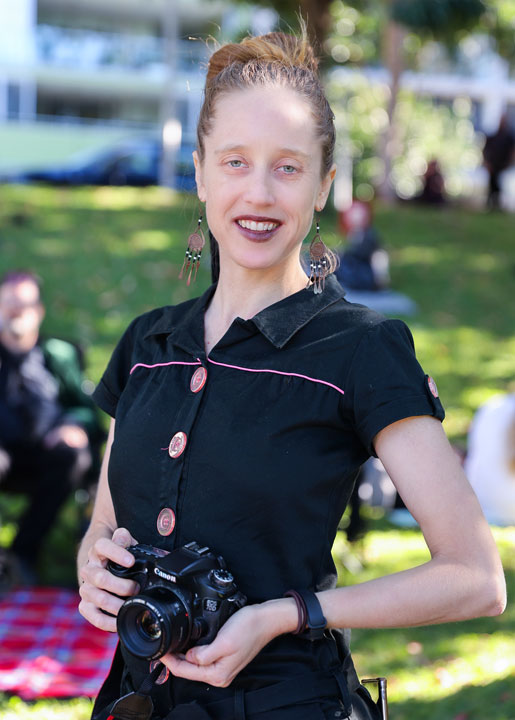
(154, 623)
(148, 624)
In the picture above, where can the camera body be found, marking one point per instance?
(185, 597)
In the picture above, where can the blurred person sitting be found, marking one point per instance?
(498, 155)
(49, 427)
(490, 460)
(364, 264)
(433, 185)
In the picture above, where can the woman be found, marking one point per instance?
(243, 416)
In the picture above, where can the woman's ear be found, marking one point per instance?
(323, 191)
(201, 191)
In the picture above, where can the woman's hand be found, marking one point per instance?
(99, 588)
(237, 643)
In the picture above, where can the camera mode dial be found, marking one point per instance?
(221, 578)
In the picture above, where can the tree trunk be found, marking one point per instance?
(318, 19)
(393, 58)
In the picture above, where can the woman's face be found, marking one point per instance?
(260, 176)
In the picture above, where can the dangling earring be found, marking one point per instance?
(318, 263)
(196, 242)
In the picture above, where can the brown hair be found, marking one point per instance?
(13, 277)
(273, 59)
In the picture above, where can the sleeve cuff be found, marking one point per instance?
(387, 414)
(105, 399)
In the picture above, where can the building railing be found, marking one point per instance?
(92, 50)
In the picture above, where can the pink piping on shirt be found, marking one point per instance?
(174, 362)
(237, 367)
(278, 372)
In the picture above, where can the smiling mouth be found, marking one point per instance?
(257, 226)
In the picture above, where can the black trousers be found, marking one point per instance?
(47, 476)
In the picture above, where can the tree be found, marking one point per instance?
(316, 13)
(442, 19)
(392, 32)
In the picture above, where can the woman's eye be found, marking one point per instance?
(289, 169)
(235, 163)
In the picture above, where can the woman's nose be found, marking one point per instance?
(259, 190)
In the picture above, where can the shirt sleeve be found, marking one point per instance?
(386, 382)
(114, 379)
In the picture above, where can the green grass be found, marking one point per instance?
(108, 254)
(458, 671)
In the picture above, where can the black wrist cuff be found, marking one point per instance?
(315, 620)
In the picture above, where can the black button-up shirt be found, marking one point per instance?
(271, 442)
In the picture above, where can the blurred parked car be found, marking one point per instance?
(134, 162)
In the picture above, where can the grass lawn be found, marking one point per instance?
(108, 254)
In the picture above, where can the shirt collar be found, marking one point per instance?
(282, 320)
(278, 322)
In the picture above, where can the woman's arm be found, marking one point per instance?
(103, 541)
(463, 578)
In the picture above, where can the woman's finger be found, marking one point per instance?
(208, 654)
(217, 674)
(122, 537)
(105, 549)
(101, 599)
(99, 577)
(97, 618)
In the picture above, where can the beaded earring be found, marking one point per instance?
(318, 262)
(196, 242)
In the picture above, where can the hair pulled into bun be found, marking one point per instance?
(287, 50)
(275, 59)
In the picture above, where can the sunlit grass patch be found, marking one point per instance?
(14, 708)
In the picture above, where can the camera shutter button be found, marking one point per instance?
(221, 578)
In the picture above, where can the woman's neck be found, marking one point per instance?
(244, 293)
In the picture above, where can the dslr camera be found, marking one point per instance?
(185, 597)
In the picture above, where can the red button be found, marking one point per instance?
(166, 521)
(432, 386)
(198, 379)
(177, 444)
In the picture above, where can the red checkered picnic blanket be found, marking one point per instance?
(47, 649)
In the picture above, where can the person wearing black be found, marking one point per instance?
(497, 156)
(46, 420)
(241, 418)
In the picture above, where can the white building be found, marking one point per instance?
(76, 74)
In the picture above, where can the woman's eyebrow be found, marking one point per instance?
(282, 151)
(229, 148)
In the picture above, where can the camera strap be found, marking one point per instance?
(136, 705)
